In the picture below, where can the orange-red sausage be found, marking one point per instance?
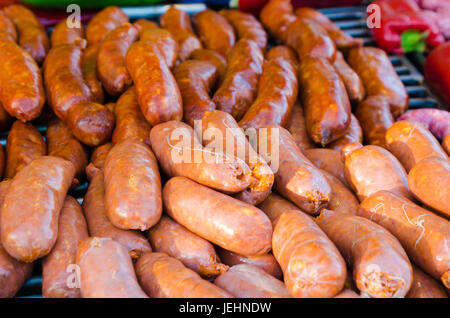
(168, 46)
(297, 128)
(104, 22)
(285, 52)
(328, 160)
(89, 71)
(7, 28)
(276, 205)
(215, 58)
(99, 154)
(142, 24)
(62, 33)
(424, 286)
(342, 199)
(353, 134)
(276, 15)
(352, 82)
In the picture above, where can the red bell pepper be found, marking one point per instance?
(437, 71)
(404, 28)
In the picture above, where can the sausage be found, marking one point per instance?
(24, 144)
(143, 24)
(8, 30)
(215, 58)
(239, 86)
(99, 154)
(342, 40)
(61, 143)
(32, 35)
(423, 234)
(429, 181)
(168, 46)
(193, 251)
(276, 205)
(277, 93)
(246, 26)
(249, 281)
(328, 160)
(29, 218)
(229, 138)
(104, 22)
(62, 33)
(347, 293)
(97, 220)
(111, 66)
(2, 161)
(214, 31)
(132, 186)
(162, 276)
(423, 286)
(179, 24)
(353, 134)
(379, 77)
(156, 88)
(89, 71)
(352, 82)
(130, 122)
(328, 116)
(375, 118)
(232, 224)
(296, 178)
(372, 168)
(341, 198)
(106, 270)
(22, 94)
(297, 128)
(5, 119)
(13, 272)
(180, 153)
(56, 271)
(411, 142)
(196, 80)
(380, 265)
(312, 266)
(276, 15)
(266, 262)
(285, 52)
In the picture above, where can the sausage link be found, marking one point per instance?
(104, 22)
(156, 88)
(168, 46)
(276, 15)
(193, 251)
(24, 144)
(143, 24)
(97, 220)
(423, 286)
(423, 234)
(238, 89)
(353, 134)
(222, 220)
(380, 265)
(56, 265)
(285, 52)
(62, 33)
(106, 270)
(214, 31)
(32, 35)
(328, 117)
(22, 91)
(352, 82)
(379, 77)
(276, 205)
(342, 199)
(179, 24)
(89, 71)
(8, 30)
(213, 57)
(162, 276)
(248, 281)
(29, 218)
(132, 186)
(180, 153)
(328, 160)
(297, 128)
(99, 154)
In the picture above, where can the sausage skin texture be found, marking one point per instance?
(106, 270)
(165, 41)
(132, 186)
(180, 153)
(196, 79)
(179, 24)
(162, 276)
(342, 198)
(352, 82)
(353, 134)
(130, 122)
(8, 30)
(214, 31)
(32, 35)
(429, 181)
(411, 142)
(276, 205)
(213, 57)
(423, 234)
(328, 160)
(104, 22)
(55, 266)
(380, 265)
(24, 144)
(238, 89)
(370, 169)
(193, 251)
(63, 34)
(13, 272)
(248, 281)
(424, 286)
(232, 224)
(246, 26)
(111, 66)
(328, 117)
(89, 71)
(99, 154)
(29, 218)
(22, 94)
(143, 24)
(379, 77)
(297, 128)
(156, 88)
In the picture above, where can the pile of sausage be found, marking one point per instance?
(357, 206)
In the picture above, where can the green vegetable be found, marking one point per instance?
(88, 4)
(414, 41)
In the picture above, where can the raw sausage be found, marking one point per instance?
(351, 80)
(104, 22)
(297, 128)
(353, 134)
(215, 58)
(165, 41)
(328, 160)
(276, 15)
(143, 24)
(89, 71)
(99, 154)
(341, 198)
(7, 28)
(62, 33)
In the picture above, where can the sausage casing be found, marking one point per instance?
(99, 154)
(328, 160)
(297, 128)
(104, 22)
(352, 82)
(89, 71)
(7, 28)
(353, 134)
(215, 58)
(424, 286)
(276, 15)
(165, 41)
(62, 33)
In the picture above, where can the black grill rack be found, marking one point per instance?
(350, 19)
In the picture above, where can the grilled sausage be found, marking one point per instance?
(423, 286)
(297, 128)
(89, 71)
(352, 82)
(62, 33)
(104, 22)
(353, 134)
(168, 46)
